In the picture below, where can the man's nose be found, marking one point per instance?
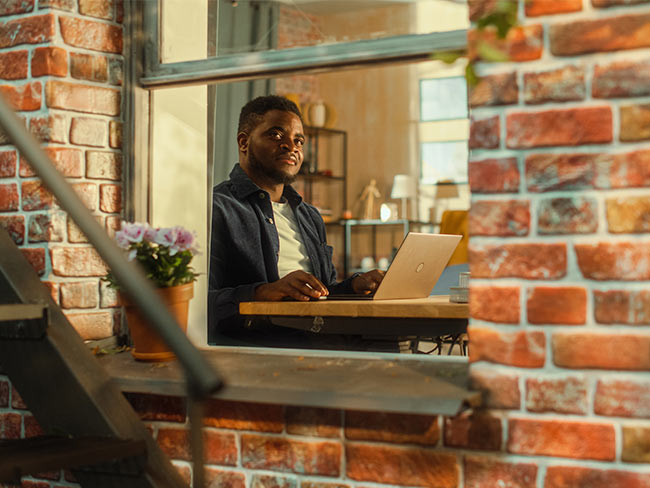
(290, 145)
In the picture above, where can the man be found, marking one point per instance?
(267, 243)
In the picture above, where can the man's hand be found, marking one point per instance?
(368, 282)
(298, 285)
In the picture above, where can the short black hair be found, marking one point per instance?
(251, 113)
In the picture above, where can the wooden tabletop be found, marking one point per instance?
(431, 307)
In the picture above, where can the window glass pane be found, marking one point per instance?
(443, 98)
(444, 162)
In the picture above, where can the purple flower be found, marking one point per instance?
(132, 232)
(150, 233)
(167, 237)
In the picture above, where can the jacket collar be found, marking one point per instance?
(243, 187)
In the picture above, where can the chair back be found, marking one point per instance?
(456, 222)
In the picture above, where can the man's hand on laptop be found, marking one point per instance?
(367, 282)
(298, 285)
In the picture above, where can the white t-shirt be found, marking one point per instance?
(293, 254)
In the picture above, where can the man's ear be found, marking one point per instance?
(242, 141)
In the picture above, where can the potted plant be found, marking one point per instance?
(165, 255)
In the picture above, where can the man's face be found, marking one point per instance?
(274, 147)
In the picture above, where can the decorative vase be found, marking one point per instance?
(147, 344)
(318, 114)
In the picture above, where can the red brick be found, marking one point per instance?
(636, 443)
(244, 416)
(219, 448)
(495, 304)
(490, 472)
(107, 296)
(500, 89)
(558, 85)
(48, 227)
(563, 305)
(110, 198)
(499, 218)
(484, 134)
(76, 235)
(49, 60)
(562, 438)
(535, 8)
(68, 162)
(8, 197)
(4, 394)
(82, 98)
(88, 194)
(319, 484)
(36, 258)
(158, 407)
(92, 326)
(634, 122)
(621, 79)
(69, 5)
(25, 97)
(626, 261)
(500, 390)
(89, 67)
(10, 425)
(113, 224)
(579, 477)
(624, 170)
(609, 34)
(564, 127)
(34, 484)
(15, 226)
(115, 134)
(96, 8)
(494, 176)
(8, 164)
(524, 349)
(614, 3)
(628, 215)
(573, 215)
(89, 34)
(119, 11)
(104, 165)
(552, 172)
(33, 429)
(581, 349)
(622, 397)
(317, 422)
(88, 132)
(27, 30)
(561, 395)
(53, 288)
(76, 261)
(227, 479)
(473, 431)
(522, 43)
(17, 401)
(11, 7)
(481, 8)
(53, 128)
(622, 307)
(82, 294)
(36, 197)
(281, 454)
(529, 261)
(13, 65)
(273, 481)
(115, 71)
(392, 427)
(401, 466)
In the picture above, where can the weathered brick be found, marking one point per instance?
(82, 98)
(489, 472)
(53, 288)
(563, 305)
(107, 296)
(571, 215)
(76, 235)
(481, 8)
(10, 425)
(89, 67)
(562, 127)
(17, 401)
(562, 438)
(115, 134)
(12, 7)
(36, 258)
(104, 165)
(244, 416)
(158, 407)
(635, 122)
(561, 395)
(88, 194)
(524, 349)
(97, 8)
(110, 198)
(392, 427)
(484, 134)
(401, 466)
(15, 226)
(535, 8)
(273, 481)
(36, 197)
(230, 479)
(621, 79)
(579, 477)
(522, 43)
(81, 294)
(623, 170)
(615, 3)
(77, 261)
(49, 61)
(8, 164)
(48, 227)
(69, 5)
(115, 71)
(491, 90)
(33, 429)
(52, 128)
(583, 349)
(25, 97)
(499, 175)
(27, 30)
(473, 431)
(628, 215)
(495, 304)
(89, 34)
(119, 11)
(8, 197)
(622, 307)
(529, 261)
(318, 422)
(13, 65)
(626, 261)
(113, 224)
(92, 326)
(282, 454)
(88, 132)
(551, 172)
(219, 447)
(499, 389)
(558, 85)
(636, 443)
(4, 393)
(622, 397)
(67, 161)
(499, 218)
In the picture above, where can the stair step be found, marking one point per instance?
(20, 457)
(23, 321)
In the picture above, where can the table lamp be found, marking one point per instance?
(403, 187)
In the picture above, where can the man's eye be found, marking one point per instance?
(275, 135)
(300, 142)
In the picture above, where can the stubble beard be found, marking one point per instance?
(272, 175)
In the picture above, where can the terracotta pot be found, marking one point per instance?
(147, 344)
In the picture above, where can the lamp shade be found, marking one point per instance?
(403, 187)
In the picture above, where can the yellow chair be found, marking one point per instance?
(456, 222)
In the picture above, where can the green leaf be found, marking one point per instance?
(488, 52)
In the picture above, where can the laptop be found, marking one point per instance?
(418, 264)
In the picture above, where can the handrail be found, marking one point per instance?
(202, 378)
